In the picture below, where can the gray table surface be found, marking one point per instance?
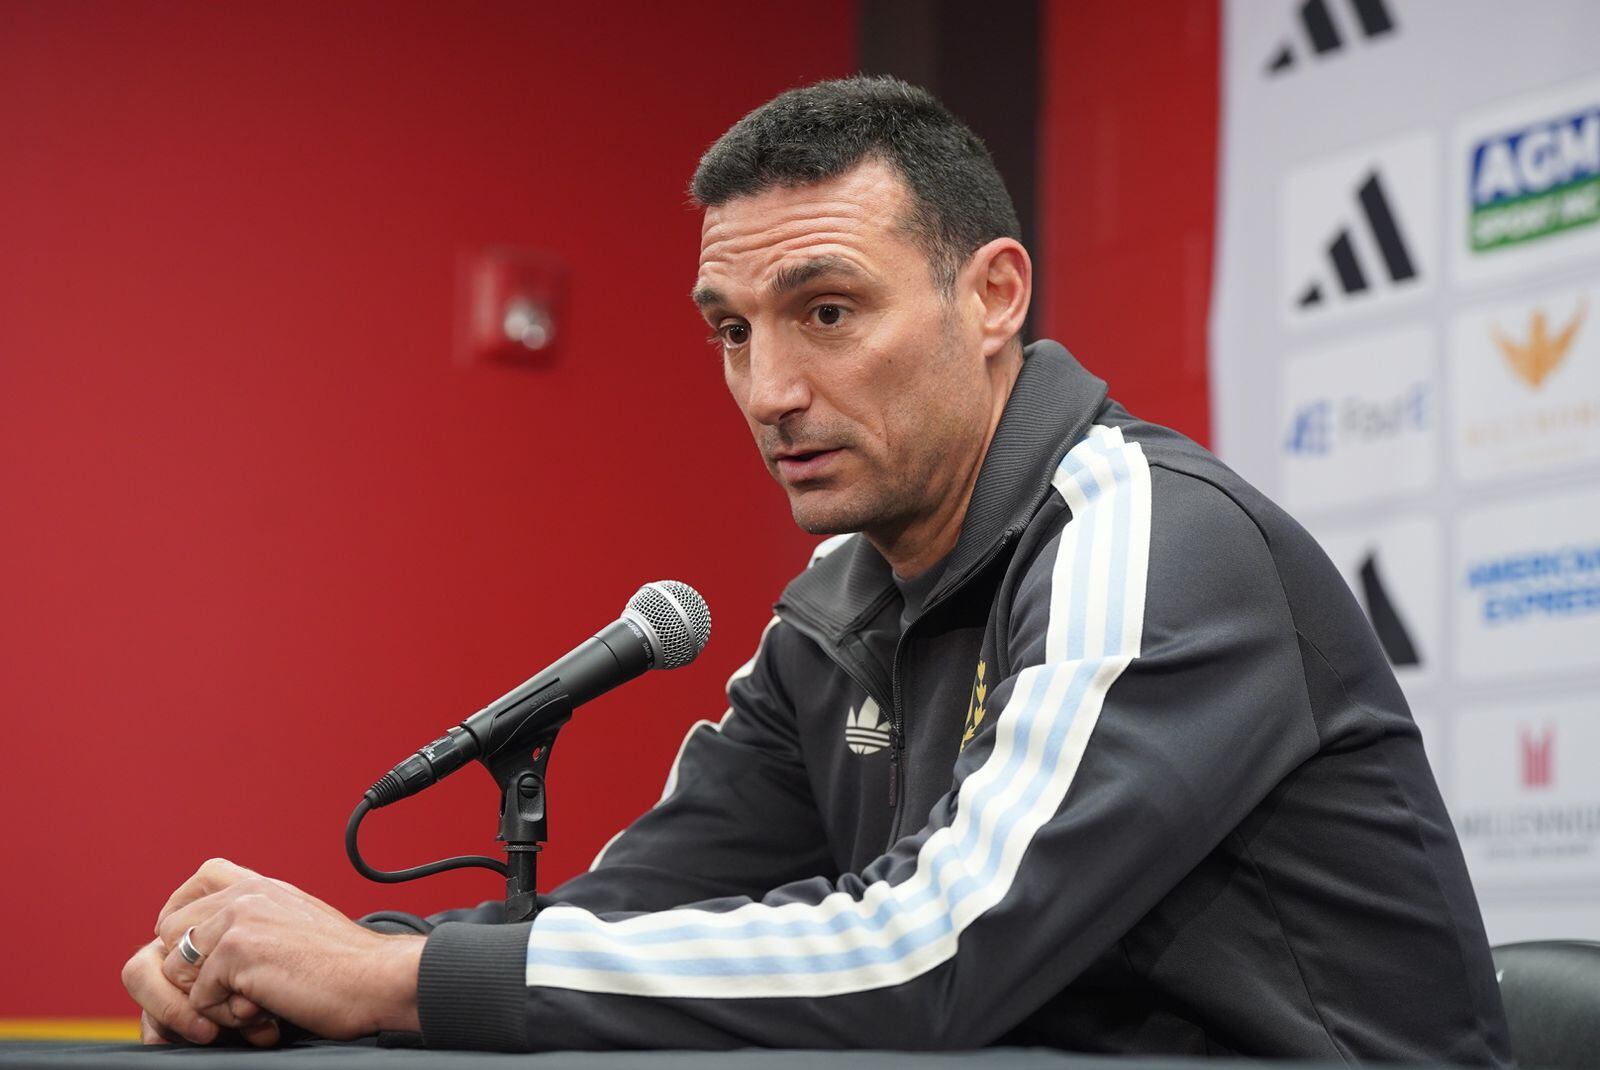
(366, 1056)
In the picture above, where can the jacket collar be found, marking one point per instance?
(1051, 406)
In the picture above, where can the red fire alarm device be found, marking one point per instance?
(509, 306)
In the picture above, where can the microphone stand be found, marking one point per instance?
(518, 765)
(523, 824)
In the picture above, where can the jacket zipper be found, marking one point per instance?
(894, 766)
(897, 728)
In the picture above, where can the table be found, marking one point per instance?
(368, 1056)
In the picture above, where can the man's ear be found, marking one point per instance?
(1000, 275)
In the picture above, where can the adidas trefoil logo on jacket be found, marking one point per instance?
(866, 732)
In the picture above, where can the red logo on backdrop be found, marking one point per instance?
(1538, 754)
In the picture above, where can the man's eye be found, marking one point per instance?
(733, 334)
(828, 315)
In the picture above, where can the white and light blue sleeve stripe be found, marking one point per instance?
(885, 934)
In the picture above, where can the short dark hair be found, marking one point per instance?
(959, 202)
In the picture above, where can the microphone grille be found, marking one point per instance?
(678, 618)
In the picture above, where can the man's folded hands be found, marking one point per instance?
(267, 951)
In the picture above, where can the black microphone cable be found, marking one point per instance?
(427, 766)
(396, 876)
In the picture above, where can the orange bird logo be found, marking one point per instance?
(1533, 361)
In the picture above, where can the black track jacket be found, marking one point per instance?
(1137, 779)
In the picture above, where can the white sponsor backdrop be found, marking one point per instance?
(1415, 186)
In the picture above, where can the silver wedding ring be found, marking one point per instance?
(191, 954)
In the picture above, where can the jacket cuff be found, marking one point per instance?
(472, 989)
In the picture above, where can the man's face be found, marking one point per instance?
(861, 382)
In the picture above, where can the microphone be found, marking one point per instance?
(664, 626)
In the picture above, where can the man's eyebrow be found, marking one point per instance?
(705, 297)
(794, 276)
(787, 280)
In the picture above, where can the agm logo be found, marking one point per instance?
(1322, 36)
(1538, 758)
(1533, 360)
(866, 732)
(1535, 181)
(1376, 219)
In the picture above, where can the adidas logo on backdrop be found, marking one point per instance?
(1395, 265)
(1394, 569)
(1385, 616)
(1359, 231)
(1320, 34)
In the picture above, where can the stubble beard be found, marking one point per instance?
(872, 513)
(880, 504)
(869, 501)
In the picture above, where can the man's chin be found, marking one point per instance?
(814, 527)
(825, 518)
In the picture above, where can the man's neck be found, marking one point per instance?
(910, 565)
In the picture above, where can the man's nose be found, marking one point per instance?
(778, 384)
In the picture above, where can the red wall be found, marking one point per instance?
(1127, 192)
(261, 537)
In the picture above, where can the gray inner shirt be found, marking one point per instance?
(915, 592)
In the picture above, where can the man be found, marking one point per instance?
(1079, 742)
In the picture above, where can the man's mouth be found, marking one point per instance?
(799, 466)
